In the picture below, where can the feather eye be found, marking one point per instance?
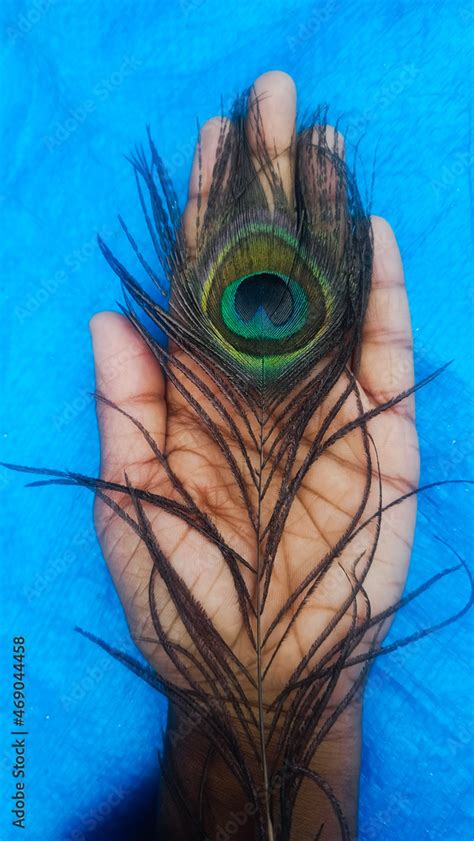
(273, 286)
(276, 282)
(264, 297)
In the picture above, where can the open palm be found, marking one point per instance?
(129, 375)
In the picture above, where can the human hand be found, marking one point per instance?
(327, 500)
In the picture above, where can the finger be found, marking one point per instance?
(211, 137)
(271, 129)
(128, 375)
(386, 364)
(327, 149)
(320, 152)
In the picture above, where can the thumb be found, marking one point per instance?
(128, 374)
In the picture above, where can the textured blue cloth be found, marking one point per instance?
(79, 82)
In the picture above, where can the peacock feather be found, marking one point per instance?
(274, 287)
(263, 314)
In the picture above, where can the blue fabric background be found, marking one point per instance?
(80, 79)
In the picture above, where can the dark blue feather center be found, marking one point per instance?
(267, 291)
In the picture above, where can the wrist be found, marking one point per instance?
(213, 792)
